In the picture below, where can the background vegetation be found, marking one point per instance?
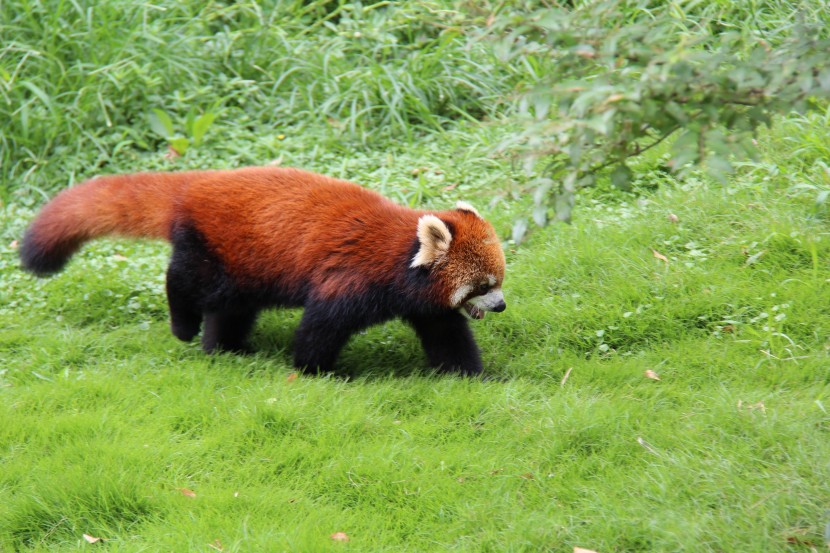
(714, 283)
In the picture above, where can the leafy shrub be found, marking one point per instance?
(627, 75)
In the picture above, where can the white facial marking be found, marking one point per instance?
(460, 294)
(491, 280)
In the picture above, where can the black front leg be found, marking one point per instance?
(228, 330)
(448, 342)
(322, 333)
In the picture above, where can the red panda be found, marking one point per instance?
(249, 239)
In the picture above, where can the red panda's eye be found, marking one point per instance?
(483, 287)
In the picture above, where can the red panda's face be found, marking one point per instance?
(466, 260)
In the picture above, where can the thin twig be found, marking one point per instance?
(620, 159)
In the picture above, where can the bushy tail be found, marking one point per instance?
(138, 205)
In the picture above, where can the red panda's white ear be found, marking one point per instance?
(464, 206)
(434, 237)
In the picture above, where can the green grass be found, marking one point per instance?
(79, 79)
(105, 418)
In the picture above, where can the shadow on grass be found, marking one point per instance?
(388, 350)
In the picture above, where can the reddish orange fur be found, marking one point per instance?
(138, 205)
(265, 223)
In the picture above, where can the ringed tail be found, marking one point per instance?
(140, 205)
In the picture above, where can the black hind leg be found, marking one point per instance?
(198, 288)
(228, 330)
(448, 342)
(183, 299)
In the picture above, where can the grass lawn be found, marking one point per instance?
(661, 376)
(106, 420)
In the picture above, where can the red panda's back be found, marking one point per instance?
(289, 227)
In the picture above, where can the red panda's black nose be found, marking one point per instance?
(500, 307)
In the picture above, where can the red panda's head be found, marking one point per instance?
(464, 257)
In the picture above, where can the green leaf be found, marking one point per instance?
(759, 116)
(806, 82)
(574, 151)
(684, 150)
(553, 20)
(188, 122)
(602, 123)
(621, 177)
(824, 79)
(42, 96)
(503, 49)
(24, 120)
(160, 122)
(746, 147)
(519, 230)
(569, 182)
(716, 141)
(753, 259)
(541, 104)
(200, 127)
(524, 106)
(678, 113)
(180, 144)
(564, 205)
(586, 181)
(540, 195)
(540, 215)
(719, 167)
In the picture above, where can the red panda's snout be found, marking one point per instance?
(476, 307)
(467, 262)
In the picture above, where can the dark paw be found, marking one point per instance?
(184, 332)
(238, 349)
(313, 366)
